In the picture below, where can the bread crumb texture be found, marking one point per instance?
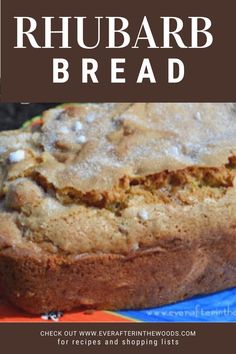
(118, 177)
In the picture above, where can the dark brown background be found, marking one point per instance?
(13, 115)
(210, 338)
(210, 73)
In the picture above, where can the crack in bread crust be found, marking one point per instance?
(167, 186)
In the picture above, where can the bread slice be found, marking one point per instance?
(113, 206)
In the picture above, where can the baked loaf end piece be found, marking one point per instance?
(114, 206)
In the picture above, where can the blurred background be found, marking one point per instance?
(13, 115)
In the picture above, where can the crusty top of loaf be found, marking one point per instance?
(110, 177)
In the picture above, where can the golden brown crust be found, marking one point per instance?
(174, 270)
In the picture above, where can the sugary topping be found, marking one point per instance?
(143, 215)
(81, 139)
(78, 126)
(64, 130)
(198, 116)
(16, 156)
(91, 117)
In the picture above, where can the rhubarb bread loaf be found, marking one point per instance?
(113, 206)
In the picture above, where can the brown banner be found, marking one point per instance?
(179, 67)
(126, 338)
